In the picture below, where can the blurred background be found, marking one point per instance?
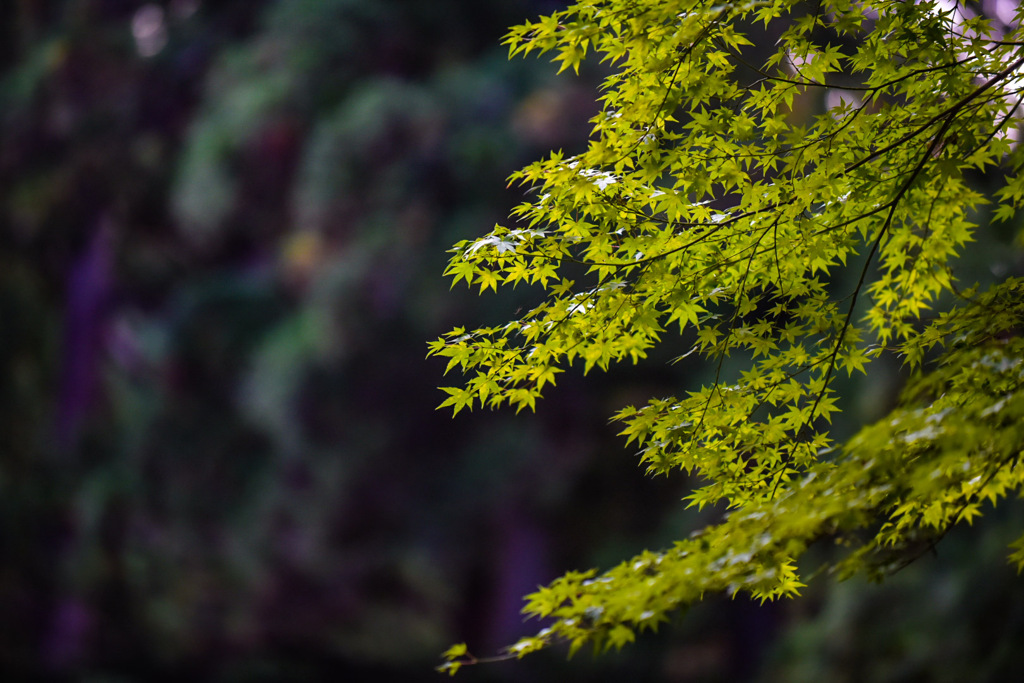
(222, 232)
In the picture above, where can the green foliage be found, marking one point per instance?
(800, 207)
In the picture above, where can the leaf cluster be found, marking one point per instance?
(728, 193)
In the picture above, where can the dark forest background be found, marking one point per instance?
(222, 232)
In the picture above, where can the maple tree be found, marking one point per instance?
(790, 184)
